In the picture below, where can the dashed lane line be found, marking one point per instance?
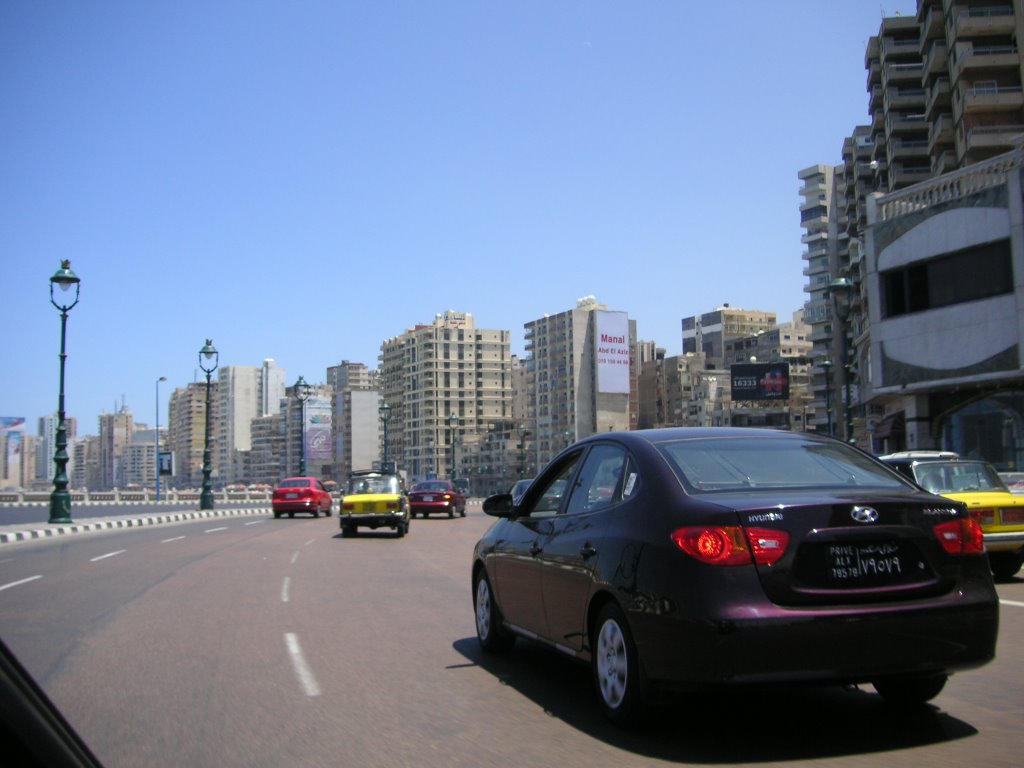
(302, 670)
(109, 554)
(1014, 603)
(19, 583)
(176, 538)
(285, 587)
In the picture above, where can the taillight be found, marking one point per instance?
(984, 516)
(961, 537)
(348, 506)
(392, 505)
(731, 544)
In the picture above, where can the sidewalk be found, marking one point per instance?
(29, 531)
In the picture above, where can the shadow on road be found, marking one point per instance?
(722, 727)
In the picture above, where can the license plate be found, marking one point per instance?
(291, 495)
(866, 563)
(428, 498)
(1013, 515)
(842, 565)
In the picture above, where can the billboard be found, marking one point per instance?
(13, 428)
(760, 381)
(611, 342)
(318, 429)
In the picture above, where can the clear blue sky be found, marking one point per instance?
(303, 180)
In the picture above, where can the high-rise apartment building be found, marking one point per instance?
(239, 401)
(356, 423)
(584, 371)
(115, 434)
(272, 388)
(444, 384)
(186, 433)
(47, 447)
(709, 332)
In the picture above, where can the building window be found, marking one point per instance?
(969, 275)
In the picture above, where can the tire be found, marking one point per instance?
(348, 531)
(399, 531)
(291, 515)
(451, 513)
(493, 637)
(910, 690)
(1005, 565)
(277, 515)
(462, 512)
(618, 675)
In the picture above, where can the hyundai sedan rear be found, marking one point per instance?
(710, 557)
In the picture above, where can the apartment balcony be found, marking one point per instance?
(909, 73)
(938, 100)
(906, 99)
(901, 175)
(877, 120)
(984, 21)
(931, 18)
(976, 60)
(989, 97)
(988, 140)
(901, 149)
(899, 123)
(899, 50)
(936, 62)
(940, 134)
(944, 163)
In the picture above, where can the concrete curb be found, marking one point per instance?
(29, 534)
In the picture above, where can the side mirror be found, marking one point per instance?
(499, 505)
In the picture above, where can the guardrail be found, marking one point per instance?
(131, 497)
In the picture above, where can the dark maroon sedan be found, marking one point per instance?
(301, 494)
(440, 497)
(707, 557)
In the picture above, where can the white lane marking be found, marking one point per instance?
(18, 583)
(1014, 603)
(176, 538)
(214, 530)
(302, 670)
(109, 554)
(294, 558)
(257, 522)
(284, 588)
(309, 542)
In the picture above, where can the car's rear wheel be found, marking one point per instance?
(451, 513)
(347, 531)
(910, 690)
(1005, 565)
(618, 676)
(492, 635)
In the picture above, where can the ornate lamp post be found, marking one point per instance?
(385, 413)
(453, 424)
(162, 378)
(302, 392)
(207, 354)
(827, 366)
(60, 499)
(840, 290)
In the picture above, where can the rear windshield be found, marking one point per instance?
(714, 464)
(382, 484)
(958, 476)
(300, 483)
(434, 485)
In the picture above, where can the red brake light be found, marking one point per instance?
(961, 537)
(767, 544)
(984, 516)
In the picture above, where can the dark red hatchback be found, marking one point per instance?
(708, 557)
(301, 494)
(440, 497)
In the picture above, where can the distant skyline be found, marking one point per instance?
(303, 181)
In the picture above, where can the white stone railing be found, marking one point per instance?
(950, 186)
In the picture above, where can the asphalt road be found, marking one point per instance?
(250, 641)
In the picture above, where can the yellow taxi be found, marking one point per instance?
(978, 485)
(374, 499)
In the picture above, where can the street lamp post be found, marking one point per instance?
(302, 391)
(385, 413)
(207, 354)
(60, 499)
(840, 290)
(453, 425)
(827, 366)
(162, 378)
